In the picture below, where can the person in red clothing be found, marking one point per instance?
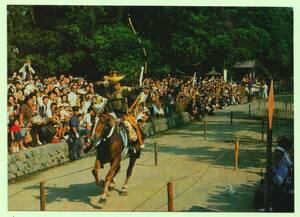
(16, 136)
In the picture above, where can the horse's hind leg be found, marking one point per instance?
(132, 160)
(112, 171)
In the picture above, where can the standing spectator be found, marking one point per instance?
(64, 118)
(11, 107)
(74, 135)
(27, 71)
(16, 137)
(26, 117)
(264, 91)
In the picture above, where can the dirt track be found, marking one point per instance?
(202, 169)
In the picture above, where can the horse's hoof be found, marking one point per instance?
(124, 191)
(101, 183)
(111, 187)
(102, 200)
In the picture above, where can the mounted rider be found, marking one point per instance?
(118, 106)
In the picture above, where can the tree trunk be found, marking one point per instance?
(32, 16)
(119, 15)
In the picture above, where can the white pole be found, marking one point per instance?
(225, 75)
(141, 76)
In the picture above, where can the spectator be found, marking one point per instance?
(27, 71)
(72, 96)
(26, 117)
(16, 137)
(74, 135)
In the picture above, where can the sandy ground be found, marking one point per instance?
(199, 169)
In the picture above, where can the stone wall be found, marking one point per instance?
(49, 155)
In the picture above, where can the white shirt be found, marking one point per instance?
(39, 100)
(23, 71)
(86, 106)
(63, 114)
(72, 97)
(100, 104)
(143, 97)
(88, 119)
(48, 109)
(158, 111)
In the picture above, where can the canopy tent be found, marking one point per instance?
(212, 73)
(246, 67)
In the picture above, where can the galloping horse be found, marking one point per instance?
(109, 150)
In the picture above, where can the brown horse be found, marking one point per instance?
(109, 150)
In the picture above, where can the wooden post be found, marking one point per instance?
(231, 118)
(236, 153)
(170, 197)
(262, 130)
(249, 110)
(267, 199)
(204, 129)
(42, 196)
(155, 153)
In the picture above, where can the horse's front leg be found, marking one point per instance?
(111, 173)
(114, 180)
(132, 160)
(95, 170)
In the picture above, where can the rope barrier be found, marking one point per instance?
(46, 180)
(193, 183)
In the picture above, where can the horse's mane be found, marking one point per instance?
(107, 117)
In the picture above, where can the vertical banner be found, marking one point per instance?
(268, 183)
(271, 105)
(141, 76)
(225, 75)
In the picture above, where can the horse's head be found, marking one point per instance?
(103, 126)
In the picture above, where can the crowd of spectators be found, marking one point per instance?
(40, 110)
(197, 96)
(255, 88)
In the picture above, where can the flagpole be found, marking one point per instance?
(268, 181)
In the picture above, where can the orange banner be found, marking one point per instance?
(271, 105)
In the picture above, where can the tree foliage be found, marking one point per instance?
(91, 41)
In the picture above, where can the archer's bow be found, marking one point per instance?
(140, 41)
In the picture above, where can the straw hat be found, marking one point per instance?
(114, 76)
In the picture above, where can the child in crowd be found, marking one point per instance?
(16, 137)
